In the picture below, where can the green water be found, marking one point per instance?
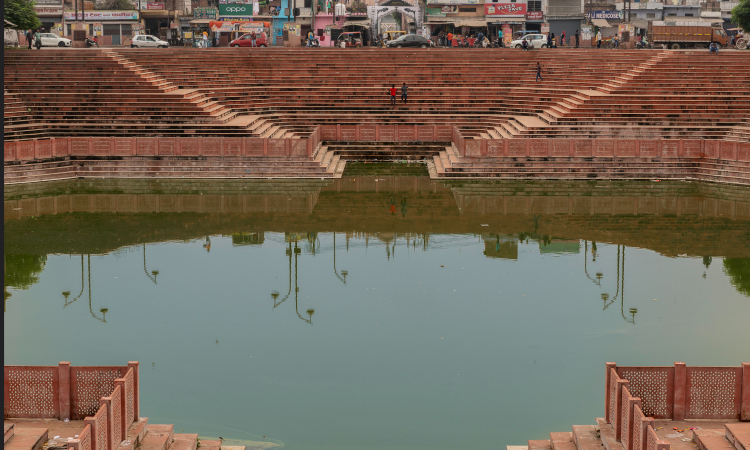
(376, 312)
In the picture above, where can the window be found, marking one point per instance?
(650, 15)
(467, 9)
(689, 15)
(534, 5)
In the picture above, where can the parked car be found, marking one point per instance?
(146, 40)
(410, 40)
(51, 40)
(246, 40)
(534, 40)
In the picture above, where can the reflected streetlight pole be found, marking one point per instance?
(344, 273)
(153, 272)
(67, 293)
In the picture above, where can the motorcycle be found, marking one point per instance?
(314, 43)
(92, 42)
(643, 44)
(497, 43)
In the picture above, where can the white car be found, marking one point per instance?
(145, 40)
(51, 40)
(534, 40)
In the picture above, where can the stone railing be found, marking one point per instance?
(387, 133)
(635, 396)
(105, 397)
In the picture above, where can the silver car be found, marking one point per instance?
(146, 40)
(534, 40)
(51, 40)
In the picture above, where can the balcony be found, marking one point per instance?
(565, 11)
(728, 6)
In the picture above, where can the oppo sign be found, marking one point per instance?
(235, 9)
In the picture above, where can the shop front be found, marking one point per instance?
(506, 17)
(158, 21)
(202, 17)
(50, 13)
(227, 31)
(459, 17)
(534, 21)
(113, 28)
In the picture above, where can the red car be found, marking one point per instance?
(246, 40)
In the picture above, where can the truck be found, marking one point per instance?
(677, 35)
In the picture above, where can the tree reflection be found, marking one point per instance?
(738, 271)
(22, 271)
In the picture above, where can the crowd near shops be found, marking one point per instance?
(355, 23)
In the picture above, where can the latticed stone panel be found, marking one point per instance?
(713, 392)
(32, 392)
(654, 386)
(89, 385)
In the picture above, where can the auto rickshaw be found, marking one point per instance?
(350, 39)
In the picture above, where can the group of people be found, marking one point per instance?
(393, 91)
(34, 37)
(445, 39)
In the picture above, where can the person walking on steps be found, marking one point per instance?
(577, 39)
(539, 72)
(404, 88)
(392, 91)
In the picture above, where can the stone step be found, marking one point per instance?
(8, 431)
(586, 437)
(712, 440)
(158, 437)
(27, 439)
(184, 441)
(540, 445)
(210, 445)
(739, 435)
(562, 441)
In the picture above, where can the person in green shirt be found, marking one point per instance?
(38, 40)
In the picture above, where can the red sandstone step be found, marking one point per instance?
(8, 431)
(158, 437)
(711, 440)
(135, 435)
(739, 435)
(26, 439)
(562, 441)
(540, 445)
(586, 437)
(210, 445)
(184, 442)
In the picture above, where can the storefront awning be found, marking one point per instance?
(440, 21)
(471, 22)
(200, 21)
(601, 23)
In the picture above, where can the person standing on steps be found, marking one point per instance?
(404, 89)
(539, 72)
(392, 91)
(577, 40)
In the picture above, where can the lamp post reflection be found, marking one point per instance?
(154, 273)
(275, 294)
(344, 273)
(67, 293)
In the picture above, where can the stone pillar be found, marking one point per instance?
(680, 379)
(64, 388)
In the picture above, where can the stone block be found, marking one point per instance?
(25, 150)
(254, 146)
(445, 133)
(212, 146)
(349, 132)
(516, 148)
(670, 148)
(166, 146)
(649, 148)
(743, 151)
(62, 147)
(495, 147)
(711, 149)
(298, 147)
(425, 133)
(80, 146)
(560, 148)
(102, 146)
(387, 133)
(232, 146)
(10, 151)
(406, 133)
(604, 148)
(189, 147)
(691, 148)
(123, 147)
(581, 148)
(626, 148)
(473, 148)
(328, 132)
(276, 147)
(43, 148)
(367, 132)
(145, 146)
(728, 151)
(539, 148)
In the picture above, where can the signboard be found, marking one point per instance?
(153, 6)
(256, 8)
(204, 13)
(187, 35)
(449, 9)
(47, 11)
(544, 28)
(534, 15)
(292, 28)
(57, 29)
(454, 2)
(505, 9)
(587, 32)
(607, 15)
(57, 3)
(507, 34)
(236, 10)
(136, 29)
(143, 4)
(102, 15)
(98, 31)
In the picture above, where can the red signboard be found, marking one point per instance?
(505, 9)
(159, 5)
(534, 15)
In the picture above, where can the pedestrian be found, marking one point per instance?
(29, 37)
(713, 48)
(252, 39)
(554, 42)
(599, 39)
(205, 40)
(404, 88)
(499, 37)
(450, 39)
(539, 72)
(577, 41)
(549, 40)
(392, 91)
(562, 39)
(38, 40)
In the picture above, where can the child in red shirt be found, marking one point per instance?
(392, 90)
